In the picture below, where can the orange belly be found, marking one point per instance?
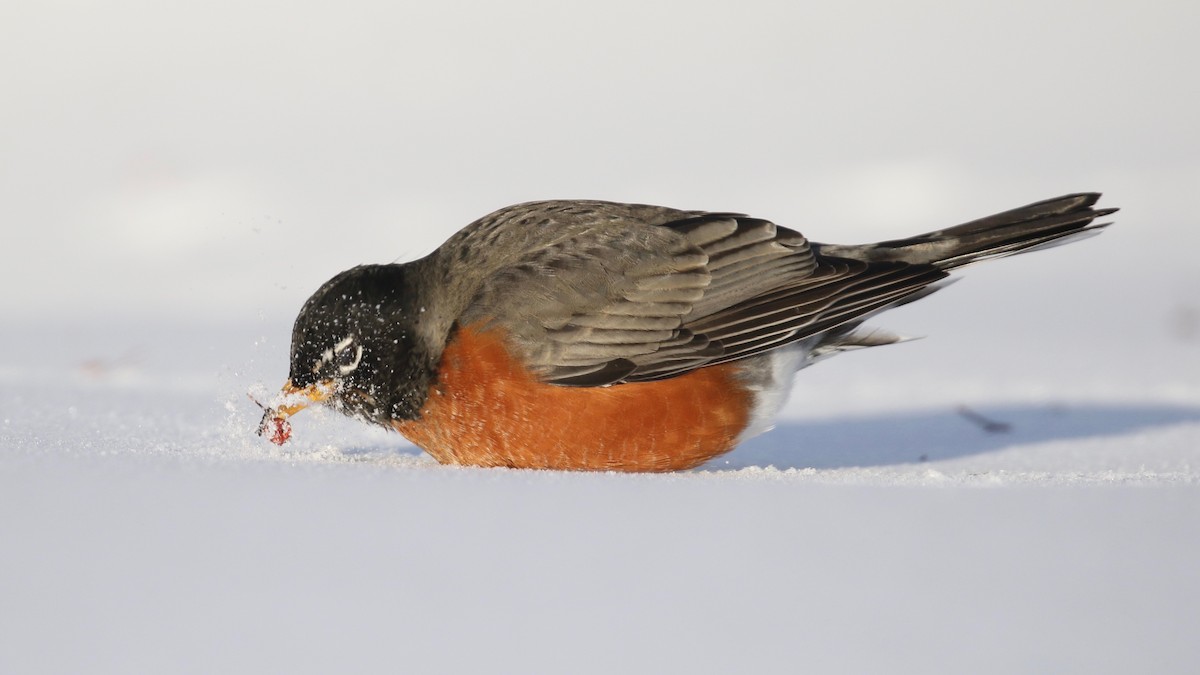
(487, 410)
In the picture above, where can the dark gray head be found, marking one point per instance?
(355, 339)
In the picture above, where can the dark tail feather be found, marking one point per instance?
(1039, 225)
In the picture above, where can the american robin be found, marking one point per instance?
(593, 335)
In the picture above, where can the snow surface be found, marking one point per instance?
(177, 181)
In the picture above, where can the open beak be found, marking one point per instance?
(291, 400)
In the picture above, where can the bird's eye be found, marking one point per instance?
(347, 355)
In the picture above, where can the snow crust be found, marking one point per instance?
(147, 529)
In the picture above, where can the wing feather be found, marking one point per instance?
(628, 293)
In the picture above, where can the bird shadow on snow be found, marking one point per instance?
(912, 437)
(904, 438)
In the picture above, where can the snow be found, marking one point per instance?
(152, 566)
(177, 182)
(147, 529)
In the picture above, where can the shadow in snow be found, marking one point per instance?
(903, 438)
(909, 437)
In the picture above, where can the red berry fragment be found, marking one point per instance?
(277, 425)
(281, 430)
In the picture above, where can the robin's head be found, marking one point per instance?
(355, 347)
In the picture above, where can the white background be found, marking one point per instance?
(176, 179)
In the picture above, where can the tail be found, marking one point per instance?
(1040, 225)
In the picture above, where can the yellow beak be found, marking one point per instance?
(293, 399)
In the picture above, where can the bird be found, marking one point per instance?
(603, 336)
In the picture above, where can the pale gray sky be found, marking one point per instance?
(226, 157)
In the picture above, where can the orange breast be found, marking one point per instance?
(487, 410)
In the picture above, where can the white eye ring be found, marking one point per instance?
(349, 367)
